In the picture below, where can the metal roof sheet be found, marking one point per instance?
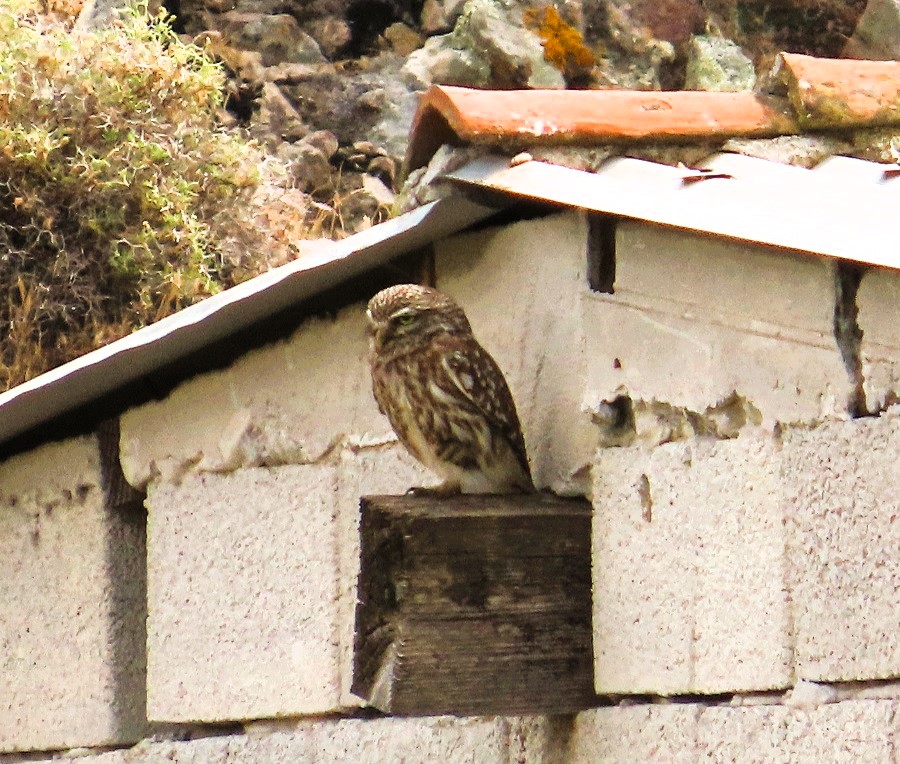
(845, 208)
(96, 373)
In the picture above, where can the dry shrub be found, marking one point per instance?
(121, 199)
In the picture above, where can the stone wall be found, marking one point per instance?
(746, 527)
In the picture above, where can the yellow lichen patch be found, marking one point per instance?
(563, 44)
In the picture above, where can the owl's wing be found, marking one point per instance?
(476, 375)
(376, 390)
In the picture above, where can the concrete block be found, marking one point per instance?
(472, 740)
(842, 511)
(689, 569)
(743, 564)
(839, 733)
(694, 320)
(521, 304)
(445, 739)
(289, 402)
(72, 598)
(244, 587)
(662, 734)
(850, 731)
(877, 300)
(732, 283)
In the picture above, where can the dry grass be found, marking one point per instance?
(121, 198)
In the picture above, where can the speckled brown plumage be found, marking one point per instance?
(444, 395)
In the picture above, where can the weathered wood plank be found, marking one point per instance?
(474, 605)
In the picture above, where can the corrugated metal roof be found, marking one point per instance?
(177, 336)
(844, 208)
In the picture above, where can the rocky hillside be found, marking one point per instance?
(331, 86)
(138, 179)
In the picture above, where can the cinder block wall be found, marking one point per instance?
(746, 535)
(72, 599)
(747, 588)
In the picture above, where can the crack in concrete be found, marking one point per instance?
(832, 692)
(848, 334)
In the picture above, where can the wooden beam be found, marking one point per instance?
(474, 605)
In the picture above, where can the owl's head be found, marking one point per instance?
(408, 312)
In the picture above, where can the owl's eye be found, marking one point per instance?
(406, 320)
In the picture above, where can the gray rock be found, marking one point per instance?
(487, 47)
(402, 38)
(392, 130)
(384, 168)
(440, 15)
(309, 168)
(392, 105)
(332, 33)
(877, 34)
(328, 100)
(718, 64)
(324, 140)
(278, 38)
(439, 61)
(277, 119)
(514, 54)
(373, 104)
(381, 106)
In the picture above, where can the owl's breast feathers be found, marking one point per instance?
(450, 405)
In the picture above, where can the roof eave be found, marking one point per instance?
(94, 374)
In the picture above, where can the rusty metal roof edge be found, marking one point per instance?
(103, 370)
(816, 212)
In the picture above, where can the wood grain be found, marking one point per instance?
(474, 605)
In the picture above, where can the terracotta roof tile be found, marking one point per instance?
(458, 116)
(822, 93)
(834, 93)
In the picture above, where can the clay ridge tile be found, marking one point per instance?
(459, 116)
(822, 94)
(831, 93)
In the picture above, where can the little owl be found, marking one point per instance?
(444, 395)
